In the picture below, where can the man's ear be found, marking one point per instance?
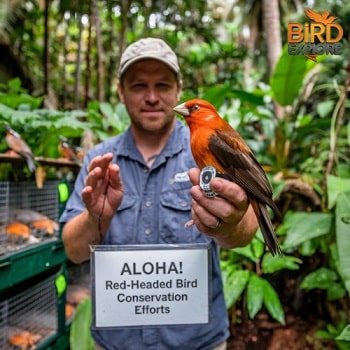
(120, 92)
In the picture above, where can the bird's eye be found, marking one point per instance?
(195, 108)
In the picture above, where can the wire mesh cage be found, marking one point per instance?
(29, 317)
(28, 215)
(4, 208)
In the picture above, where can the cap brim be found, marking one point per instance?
(123, 69)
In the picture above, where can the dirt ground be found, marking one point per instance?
(263, 334)
(306, 312)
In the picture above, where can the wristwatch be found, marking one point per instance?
(207, 174)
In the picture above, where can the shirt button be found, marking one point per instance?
(148, 231)
(148, 203)
(145, 170)
(183, 203)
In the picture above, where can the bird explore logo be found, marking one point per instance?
(321, 36)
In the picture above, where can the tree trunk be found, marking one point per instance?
(100, 54)
(272, 27)
(88, 63)
(46, 47)
(112, 64)
(124, 8)
(78, 65)
(66, 39)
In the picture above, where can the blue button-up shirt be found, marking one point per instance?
(154, 209)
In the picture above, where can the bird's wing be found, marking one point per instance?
(313, 15)
(242, 167)
(320, 17)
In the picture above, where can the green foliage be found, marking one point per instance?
(80, 335)
(345, 334)
(301, 227)
(342, 226)
(287, 79)
(114, 121)
(340, 333)
(41, 127)
(255, 285)
(15, 97)
(327, 279)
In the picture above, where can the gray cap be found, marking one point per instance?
(148, 48)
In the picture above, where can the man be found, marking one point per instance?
(137, 188)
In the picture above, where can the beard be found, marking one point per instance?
(153, 125)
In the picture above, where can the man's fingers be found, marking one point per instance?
(101, 162)
(114, 177)
(194, 175)
(230, 191)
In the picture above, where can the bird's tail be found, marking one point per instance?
(267, 230)
(30, 161)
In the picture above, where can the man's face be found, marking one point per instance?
(150, 90)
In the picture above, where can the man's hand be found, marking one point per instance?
(229, 219)
(103, 191)
(102, 195)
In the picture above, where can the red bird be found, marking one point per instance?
(17, 144)
(215, 143)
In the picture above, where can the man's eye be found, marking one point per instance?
(164, 86)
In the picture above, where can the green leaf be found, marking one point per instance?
(273, 303)
(335, 186)
(80, 335)
(234, 286)
(216, 95)
(321, 279)
(253, 251)
(271, 264)
(322, 334)
(345, 334)
(342, 223)
(255, 295)
(324, 108)
(14, 101)
(219, 93)
(335, 291)
(302, 226)
(287, 79)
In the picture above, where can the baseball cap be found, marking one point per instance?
(153, 48)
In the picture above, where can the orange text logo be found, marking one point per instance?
(321, 36)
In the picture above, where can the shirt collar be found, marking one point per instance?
(175, 144)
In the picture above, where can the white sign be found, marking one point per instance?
(150, 285)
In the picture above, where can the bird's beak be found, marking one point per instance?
(182, 109)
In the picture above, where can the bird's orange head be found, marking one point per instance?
(204, 123)
(202, 118)
(197, 112)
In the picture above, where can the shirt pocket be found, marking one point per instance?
(174, 212)
(122, 228)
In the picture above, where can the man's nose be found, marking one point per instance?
(151, 95)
